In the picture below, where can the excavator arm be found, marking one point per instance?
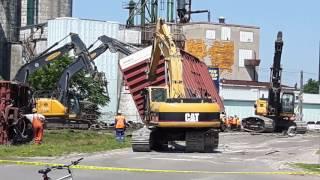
(47, 57)
(84, 61)
(274, 101)
(164, 44)
(113, 45)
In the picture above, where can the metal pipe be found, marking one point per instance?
(154, 11)
(143, 12)
(189, 11)
(171, 11)
(202, 11)
(170, 5)
(131, 7)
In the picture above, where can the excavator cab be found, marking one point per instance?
(287, 103)
(48, 105)
(158, 94)
(153, 96)
(73, 105)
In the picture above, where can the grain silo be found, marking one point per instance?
(9, 22)
(40, 11)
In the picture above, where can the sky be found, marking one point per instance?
(299, 20)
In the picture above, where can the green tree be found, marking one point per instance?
(311, 87)
(87, 87)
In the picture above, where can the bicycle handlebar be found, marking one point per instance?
(48, 169)
(76, 162)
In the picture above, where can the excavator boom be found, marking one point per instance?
(164, 44)
(274, 101)
(47, 57)
(85, 60)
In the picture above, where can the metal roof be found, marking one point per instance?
(222, 24)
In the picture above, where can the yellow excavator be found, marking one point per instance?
(170, 115)
(275, 113)
(44, 59)
(62, 108)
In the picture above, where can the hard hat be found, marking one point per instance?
(34, 110)
(119, 112)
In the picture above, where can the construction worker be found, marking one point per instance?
(230, 120)
(234, 123)
(238, 123)
(37, 121)
(120, 126)
(223, 121)
(226, 122)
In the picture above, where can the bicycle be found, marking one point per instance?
(45, 172)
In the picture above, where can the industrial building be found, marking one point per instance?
(9, 23)
(19, 21)
(233, 49)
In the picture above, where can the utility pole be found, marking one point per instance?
(319, 69)
(301, 96)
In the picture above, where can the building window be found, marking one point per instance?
(210, 34)
(246, 36)
(225, 34)
(244, 54)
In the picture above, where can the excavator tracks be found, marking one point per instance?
(141, 140)
(60, 123)
(258, 124)
(196, 140)
(202, 141)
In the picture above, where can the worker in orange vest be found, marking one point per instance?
(234, 123)
(226, 122)
(37, 121)
(238, 123)
(223, 122)
(120, 126)
(230, 121)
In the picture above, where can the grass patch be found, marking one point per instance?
(63, 142)
(309, 167)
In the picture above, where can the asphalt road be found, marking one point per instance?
(240, 156)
